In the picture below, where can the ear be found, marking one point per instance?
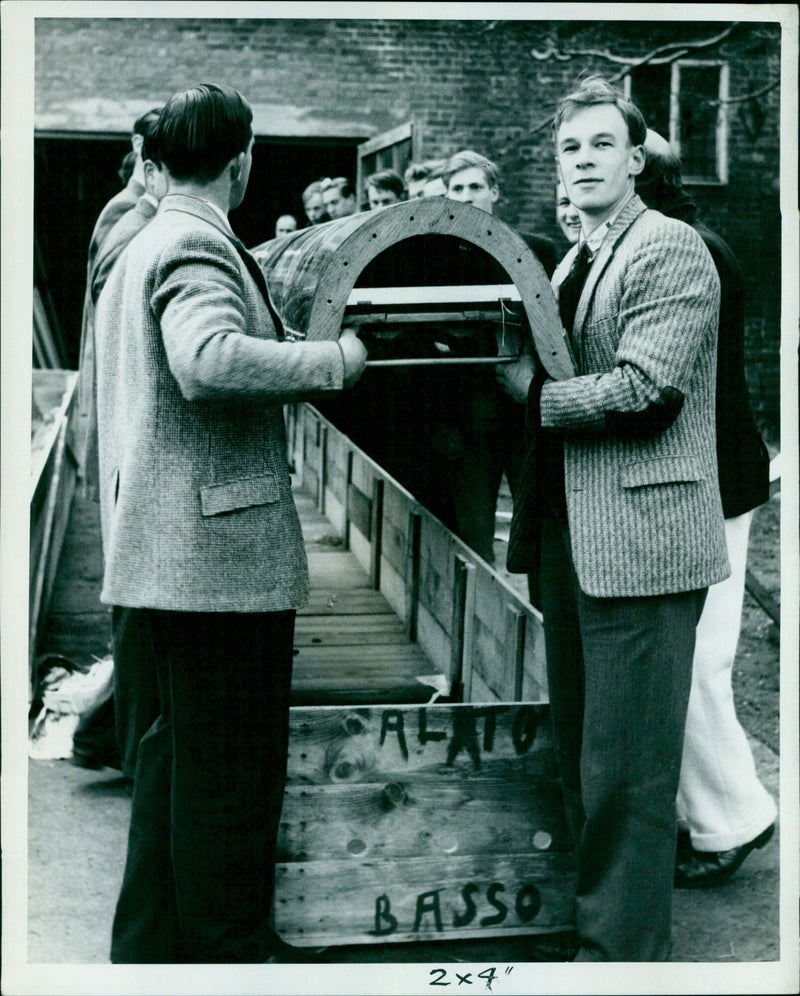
(495, 193)
(236, 165)
(636, 161)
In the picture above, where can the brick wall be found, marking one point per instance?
(490, 86)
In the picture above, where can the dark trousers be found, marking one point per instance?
(208, 789)
(619, 672)
(136, 699)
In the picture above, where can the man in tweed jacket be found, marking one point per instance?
(622, 500)
(202, 542)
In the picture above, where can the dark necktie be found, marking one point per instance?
(569, 292)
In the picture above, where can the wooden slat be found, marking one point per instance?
(440, 741)
(417, 899)
(334, 601)
(348, 630)
(427, 819)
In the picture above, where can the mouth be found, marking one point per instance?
(586, 180)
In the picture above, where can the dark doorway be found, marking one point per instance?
(74, 176)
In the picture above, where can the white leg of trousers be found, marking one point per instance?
(720, 799)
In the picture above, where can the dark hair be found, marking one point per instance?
(595, 90)
(386, 179)
(150, 140)
(660, 167)
(421, 171)
(125, 171)
(343, 184)
(466, 159)
(201, 129)
(142, 124)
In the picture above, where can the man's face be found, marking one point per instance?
(597, 161)
(314, 208)
(380, 198)
(416, 188)
(336, 205)
(567, 215)
(469, 186)
(285, 225)
(434, 188)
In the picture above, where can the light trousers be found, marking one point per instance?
(720, 799)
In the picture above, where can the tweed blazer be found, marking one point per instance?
(643, 506)
(196, 505)
(116, 240)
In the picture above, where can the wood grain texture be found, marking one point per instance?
(312, 273)
(415, 899)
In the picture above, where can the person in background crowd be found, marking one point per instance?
(202, 543)
(487, 427)
(722, 805)
(383, 188)
(339, 197)
(285, 225)
(434, 184)
(118, 205)
(314, 205)
(618, 507)
(569, 221)
(110, 736)
(99, 739)
(417, 173)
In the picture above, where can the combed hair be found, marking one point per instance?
(466, 159)
(201, 129)
(150, 140)
(341, 182)
(596, 90)
(422, 171)
(311, 189)
(386, 179)
(143, 123)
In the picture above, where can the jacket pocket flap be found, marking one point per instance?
(663, 470)
(244, 493)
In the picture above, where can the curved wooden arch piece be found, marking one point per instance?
(311, 273)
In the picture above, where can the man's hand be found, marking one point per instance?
(515, 378)
(354, 356)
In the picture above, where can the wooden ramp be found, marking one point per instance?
(406, 818)
(350, 646)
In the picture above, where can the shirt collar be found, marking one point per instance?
(220, 212)
(597, 237)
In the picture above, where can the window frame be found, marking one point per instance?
(720, 179)
(381, 143)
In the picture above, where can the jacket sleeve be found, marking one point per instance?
(668, 302)
(213, 350)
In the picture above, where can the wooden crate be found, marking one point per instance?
(409, 823)
(407, 818)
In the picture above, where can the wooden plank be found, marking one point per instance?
(359, 509)
(438, 741)
(335, 571)
(334, 601)
(380, 821)
(418, 899)
(346, 630)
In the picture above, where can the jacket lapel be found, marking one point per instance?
(626, 218)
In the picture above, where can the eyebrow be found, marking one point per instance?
(594, 138)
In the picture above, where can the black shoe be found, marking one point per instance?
(706, 869)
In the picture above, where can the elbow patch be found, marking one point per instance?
(656, 418)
